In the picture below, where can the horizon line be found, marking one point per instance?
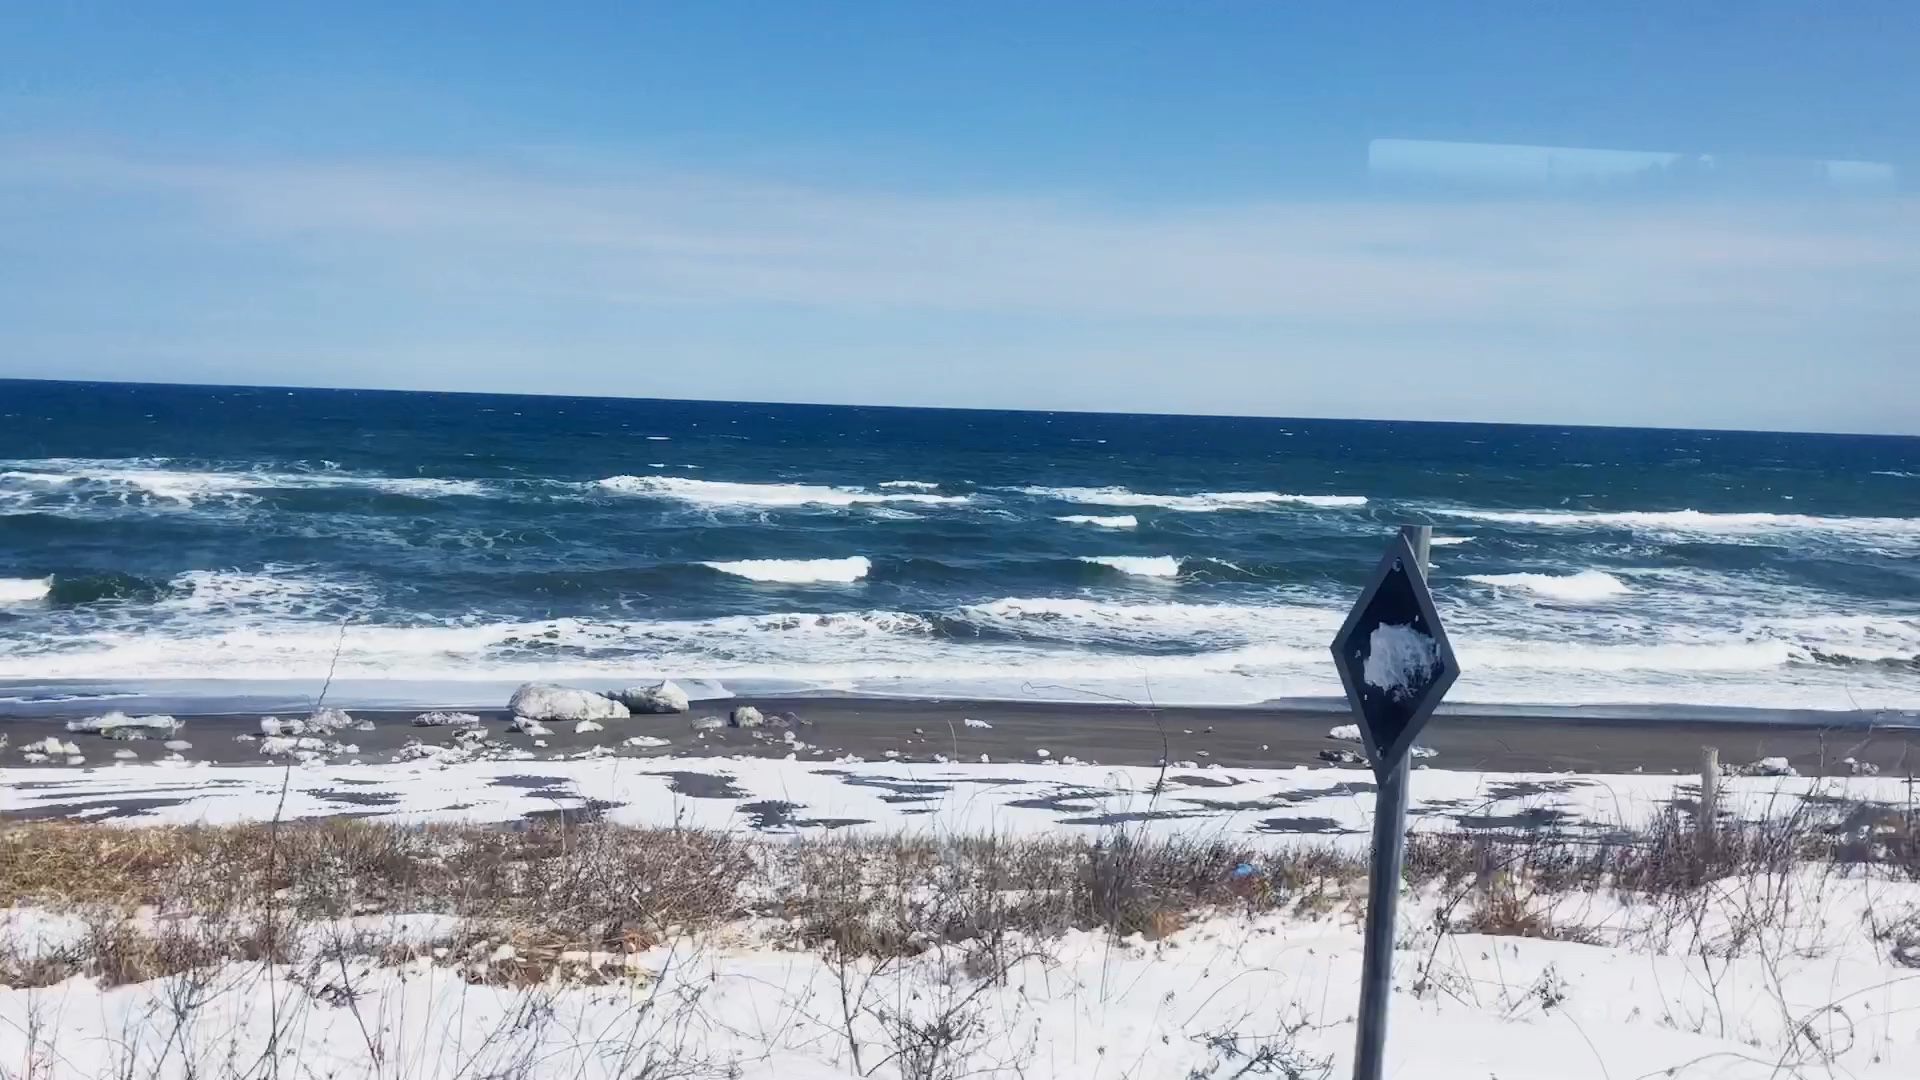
(956, 408)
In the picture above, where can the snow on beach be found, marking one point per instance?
(1765, 968)
(1025, 798)
(1781, 972)
(1200, 1002)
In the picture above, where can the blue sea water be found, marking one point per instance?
(239, 537)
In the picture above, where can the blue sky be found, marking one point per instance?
(1100, 206)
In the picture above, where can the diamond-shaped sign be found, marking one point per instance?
(1394, 657)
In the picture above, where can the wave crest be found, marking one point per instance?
(798, 571)
(1121, 521)
(24, 590)
(155, 481)
(1694, 522)
(245, 627)
(1155, 566)
(726, 493)
(1586, 585)
(1201, 502)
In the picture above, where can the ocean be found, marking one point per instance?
(421, 546)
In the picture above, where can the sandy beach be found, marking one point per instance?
(918, 730)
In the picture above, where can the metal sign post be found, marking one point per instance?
(1396, 664)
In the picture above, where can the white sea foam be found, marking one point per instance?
(798, 571)
(1865, 638)
(1060, 648)
(891, 513)
(24, 590)
(277, 591)
(1450, 541)
(722, 493)
(1202, 502)
(1698, 523)
(1587, 585)
(424, 487)
(1083, 621)
(911, 485)
(1122, 521)
(160, 481)
(1679, 658)
(1156, 566)
(134, 478)
(1711, 645)
(836, 649)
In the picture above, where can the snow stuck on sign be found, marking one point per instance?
(1400, 661)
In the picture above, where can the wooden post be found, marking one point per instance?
(1707, 821)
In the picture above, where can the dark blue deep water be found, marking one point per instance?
(156, 533)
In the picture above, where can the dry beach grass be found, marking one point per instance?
(594, 886)
(922, 957)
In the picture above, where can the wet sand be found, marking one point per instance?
(1249, 737)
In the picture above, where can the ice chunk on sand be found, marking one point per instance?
(119, 724)
(543, 701)
(51, 746)
(663, 697)
(526, 725)
(318, 722)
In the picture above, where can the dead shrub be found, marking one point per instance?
(210, 895)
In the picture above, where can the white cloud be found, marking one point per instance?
(531, 275)
(651, 238)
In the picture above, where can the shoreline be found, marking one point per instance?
(212, 697)
(918, 729)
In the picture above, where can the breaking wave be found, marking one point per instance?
(1587, 585)
(82, 589)
(74, 590)
(24, 590)
(1203, 502)
(275, 627)
(797, 571)
(1695, 522)
(1121, 521)
(722, 493)
(159, 482)
(1155, 566)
